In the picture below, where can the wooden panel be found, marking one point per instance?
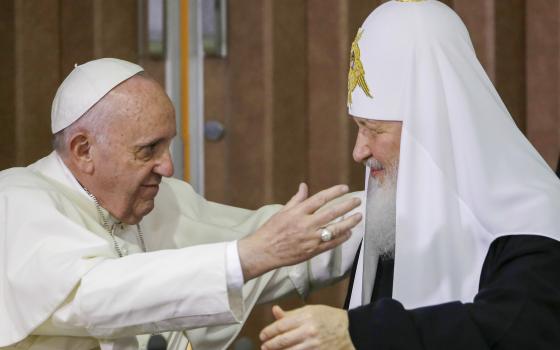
(328, 42)
(7, 82)
(116, 29)
(215, 109)
(154, 65)
(478, 16)
(289, 101)
(328, 69)
(543, 75)
(509, 56)
(76, 34)
(249, 118)
(37, 76)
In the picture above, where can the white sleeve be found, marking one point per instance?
(154, 292)
(235, 278)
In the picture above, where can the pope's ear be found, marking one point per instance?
(80, 152)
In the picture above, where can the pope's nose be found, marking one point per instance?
(164, 166)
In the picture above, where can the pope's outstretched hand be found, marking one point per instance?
(293, 234)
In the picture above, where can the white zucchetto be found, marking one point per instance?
(85, 86)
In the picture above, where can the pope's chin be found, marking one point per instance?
(145, 201)
(143, 208)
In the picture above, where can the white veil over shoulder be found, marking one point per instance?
(467, 175)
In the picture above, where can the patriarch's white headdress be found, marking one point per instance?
(467, 175)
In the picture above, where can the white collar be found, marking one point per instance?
(54, 167)
(71, 179)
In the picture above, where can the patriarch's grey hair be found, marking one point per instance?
(381, 212)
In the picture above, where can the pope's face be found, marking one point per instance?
(379, 143)
(131, 160)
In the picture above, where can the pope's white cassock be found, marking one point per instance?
(62, 285)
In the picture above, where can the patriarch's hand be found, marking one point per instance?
(311, 327)
(293, 234)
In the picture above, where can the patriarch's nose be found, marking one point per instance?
(361, 150)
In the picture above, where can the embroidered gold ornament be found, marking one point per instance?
(356, 73)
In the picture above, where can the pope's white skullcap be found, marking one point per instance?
(85, 86)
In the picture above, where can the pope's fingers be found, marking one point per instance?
(299, 197)
(345, 225)
(341, 232)
(319, 199)
(336, 241)
(323, 217)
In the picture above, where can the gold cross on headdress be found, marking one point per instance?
(356, 73)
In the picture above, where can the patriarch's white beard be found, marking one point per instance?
(381, 213)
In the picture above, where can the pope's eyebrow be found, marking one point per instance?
(150, 143)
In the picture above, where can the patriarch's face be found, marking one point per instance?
(378, 145)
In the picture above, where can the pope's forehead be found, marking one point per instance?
(139, 84)
(139, 92)
(135, 106)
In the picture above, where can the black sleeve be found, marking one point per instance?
(517, 307)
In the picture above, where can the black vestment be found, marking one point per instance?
(517, 306)
(558, 167)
